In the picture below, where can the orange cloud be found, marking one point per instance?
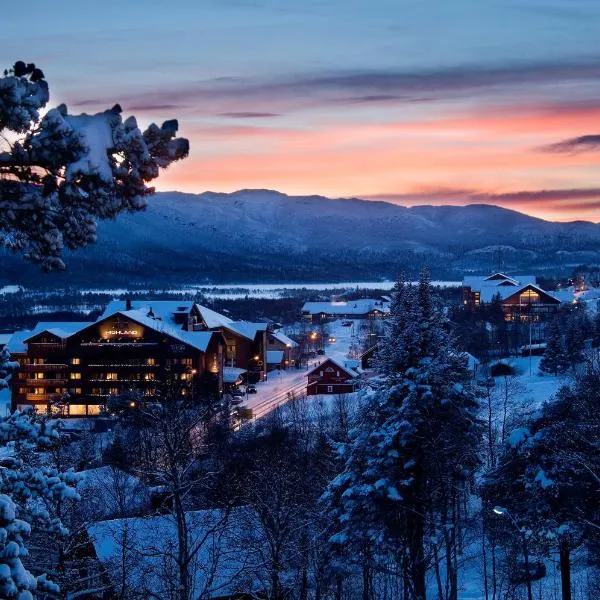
(492, 150)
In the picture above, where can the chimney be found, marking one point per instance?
(127, 303)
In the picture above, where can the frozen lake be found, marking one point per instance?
(266, 290)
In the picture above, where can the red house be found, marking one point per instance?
(331, 377)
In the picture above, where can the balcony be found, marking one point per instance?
(39, 397)
(45, 367)
(47, 346)
(45, 382)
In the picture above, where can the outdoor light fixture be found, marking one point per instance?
(504, 512)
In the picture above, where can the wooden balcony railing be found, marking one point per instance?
(46, 382)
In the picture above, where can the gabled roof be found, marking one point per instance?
(212, 318)
(246, 328)
(478, 283)
(489, 293)
(512, 292)
(338, 364)
(162, 309)
(61, 329)
(284, 339)
(196, 339)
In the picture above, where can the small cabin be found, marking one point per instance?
(331, 377)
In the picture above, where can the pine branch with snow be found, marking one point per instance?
(64, 172)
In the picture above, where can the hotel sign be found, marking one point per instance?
(130, 332)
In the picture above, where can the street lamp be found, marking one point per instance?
(504, 512)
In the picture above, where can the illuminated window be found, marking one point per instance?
(149, 376)
(186, 361)
(93, 409)
(329, 389)
(75, 361)
(112, 377)
(113, 391)
(151, 362)
(529, 297)
(77, 410)
(38, 376)
(186, 376)
(39, 391)
(96, 391)
(75, 375)
(76, 390)
(39, 361)
(22, 390)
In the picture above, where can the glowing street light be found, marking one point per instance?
(504, 512)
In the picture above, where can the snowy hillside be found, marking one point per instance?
(266, 235)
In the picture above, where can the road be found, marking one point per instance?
(277, 390)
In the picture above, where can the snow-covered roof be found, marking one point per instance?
(62, 329)
(232, 374)
(228, 559)
(196, 339)
(479, 282)
(337, 363)
(284, 339)
(212, 318)
(488, 293)
(274, 357)
(162, 309)
(351, 307)
(246, 328)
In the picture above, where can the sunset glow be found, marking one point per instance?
(395, 112)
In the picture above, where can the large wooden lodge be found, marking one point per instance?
(74, 368)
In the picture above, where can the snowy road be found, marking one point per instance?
(280, 385)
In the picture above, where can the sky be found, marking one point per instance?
(411, 101)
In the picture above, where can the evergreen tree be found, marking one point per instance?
(63, 172)
(548, 476)
(554, 360)
(25, 493)
(596, 330)
(413, 447)
(578, 329)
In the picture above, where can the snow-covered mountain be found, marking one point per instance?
(266, 235)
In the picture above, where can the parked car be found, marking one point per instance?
(331, 340)
(236, 400)
(346, 323)
(250, 389)
(320, 352)
(237, 394)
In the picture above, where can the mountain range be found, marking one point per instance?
(263, 235)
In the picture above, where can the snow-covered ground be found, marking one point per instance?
(533, 388)
(282, 384)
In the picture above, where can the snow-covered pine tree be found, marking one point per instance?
(25, 491)
(400, 347)
(63, 172)
(413, 448)
(578, 329)
(596, 330)
(548, 475)
(554, 360)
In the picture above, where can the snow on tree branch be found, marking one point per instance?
(63, 172)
